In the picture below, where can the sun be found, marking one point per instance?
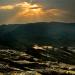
(30, 10)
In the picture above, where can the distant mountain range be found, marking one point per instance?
(53, 33)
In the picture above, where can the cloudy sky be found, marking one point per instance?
(27, 11)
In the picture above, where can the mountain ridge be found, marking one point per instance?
(54, 33)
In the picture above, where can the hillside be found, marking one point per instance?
(46, 48)
(53, 33)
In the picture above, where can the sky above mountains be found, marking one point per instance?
(27, 11)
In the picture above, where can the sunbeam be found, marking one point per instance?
(31, 12)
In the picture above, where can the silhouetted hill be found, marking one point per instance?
(54, 33)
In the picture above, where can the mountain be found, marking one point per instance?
(23, 36)
(53, 33)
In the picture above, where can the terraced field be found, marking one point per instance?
(38, 61)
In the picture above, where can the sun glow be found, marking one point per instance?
(29, 12)
(28, 8)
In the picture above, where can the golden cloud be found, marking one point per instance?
(7, 7)
(56, 12)
(33, 12)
